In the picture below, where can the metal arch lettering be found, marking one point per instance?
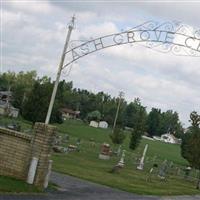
(166, 37)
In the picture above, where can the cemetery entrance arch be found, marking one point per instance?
(177, 38)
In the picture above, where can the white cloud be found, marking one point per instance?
(33, 6)
(33, 38)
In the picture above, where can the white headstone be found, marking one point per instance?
(141, 164)
(121, 162)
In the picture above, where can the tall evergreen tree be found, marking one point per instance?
(153, 121)
(191, 142)
(139, 124)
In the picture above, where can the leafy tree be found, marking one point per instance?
(190, 144)
(169, 123)
(94, 115)
(195, 119)
(36, 105)
(153, 121)
(139, 125)
(117, 136)
(8, 80)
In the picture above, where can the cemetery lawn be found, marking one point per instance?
(10, 185)
(86, 165)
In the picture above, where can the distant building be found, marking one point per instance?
(169, 138)
(6, 108)
(103, 124)
(148, 138)
(69, 114)
(94, 124)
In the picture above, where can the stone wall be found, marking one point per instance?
(17, 150)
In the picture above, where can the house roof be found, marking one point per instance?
(2, 104)
(70, 111)
(5, 93)
(169, 135)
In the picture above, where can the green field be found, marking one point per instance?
(86, 165)
(77, 129)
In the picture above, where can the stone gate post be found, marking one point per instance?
(42, 146)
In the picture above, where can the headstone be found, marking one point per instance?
(178, 171)
(105, 152)
(163, 170)
(66, 138)
(92, 142)
(119, 150)
(187, 172)
(149, 177)
(78, 144)
(121, 162)
(72, 148)
(141, 164)
(58, 140)
(60, 149)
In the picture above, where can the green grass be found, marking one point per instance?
(8, 184)
(85, 164)
(25, 125)
(77, 129)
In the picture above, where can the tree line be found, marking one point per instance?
(31, 94)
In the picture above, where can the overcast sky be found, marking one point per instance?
(33, 33)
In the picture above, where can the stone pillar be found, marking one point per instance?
(42, 146)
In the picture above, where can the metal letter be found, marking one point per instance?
(75, 55)
(85, 49)
(118, 40)
(168, 37)
(98, 44)
(146, 35)
(130, 36)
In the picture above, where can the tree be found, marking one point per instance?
(195, 119)
(139, 124)
(169, 123)
(153, 121)
(190, 144)
(36, 105)
(117, 136)
(94, 115)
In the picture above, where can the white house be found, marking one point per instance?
(169, 138)
(5, 105)
(69, 114)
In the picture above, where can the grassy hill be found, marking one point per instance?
(77, 129)
(86, 164)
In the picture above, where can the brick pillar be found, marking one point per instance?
(42, 146)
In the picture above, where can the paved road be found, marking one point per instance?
(76, 189)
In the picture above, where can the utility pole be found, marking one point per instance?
(121, 94)
(70, 28)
